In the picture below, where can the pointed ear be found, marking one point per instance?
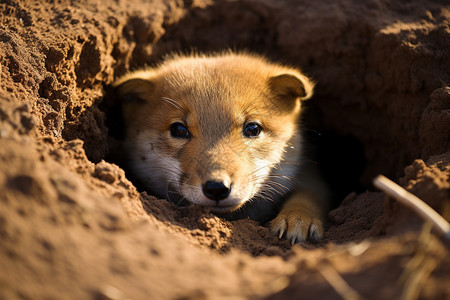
(288, 88)
(134, 90)
(131, 93)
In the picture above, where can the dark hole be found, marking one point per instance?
(113, 112)
(342, 162)
(340, 157)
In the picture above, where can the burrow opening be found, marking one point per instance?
(365, 115)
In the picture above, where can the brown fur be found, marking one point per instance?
(215, 97)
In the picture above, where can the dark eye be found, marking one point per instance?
(252, 129)
(178, 130)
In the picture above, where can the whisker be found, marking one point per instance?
(276, 192)
(275, 184)
(273, 177)
(173, 102)
(283, 177)
(264, 195)
(268, 194)
(259, 169)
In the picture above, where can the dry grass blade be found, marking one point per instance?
(419, 268)
(421, 208)
(339, 284)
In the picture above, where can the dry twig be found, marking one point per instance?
(421, 208)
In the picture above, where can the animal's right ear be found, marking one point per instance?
(125, 97)
(134, 90)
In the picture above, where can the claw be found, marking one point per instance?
(297, 230)
(313, 233)
(282, 230)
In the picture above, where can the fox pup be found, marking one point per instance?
(222, 131)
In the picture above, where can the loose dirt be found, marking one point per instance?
(73, 226)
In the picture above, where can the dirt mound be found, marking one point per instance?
(73, 226)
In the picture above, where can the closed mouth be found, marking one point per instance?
(223, 208)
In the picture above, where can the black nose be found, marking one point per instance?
(216, 190)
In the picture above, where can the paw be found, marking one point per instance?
(297, 225)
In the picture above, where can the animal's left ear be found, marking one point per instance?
(288, 88)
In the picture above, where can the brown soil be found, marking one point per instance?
(72, 226)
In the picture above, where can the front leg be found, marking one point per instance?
(302, 217)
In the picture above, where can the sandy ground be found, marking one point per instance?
(72, 225)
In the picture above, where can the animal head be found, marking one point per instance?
(210, 128)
